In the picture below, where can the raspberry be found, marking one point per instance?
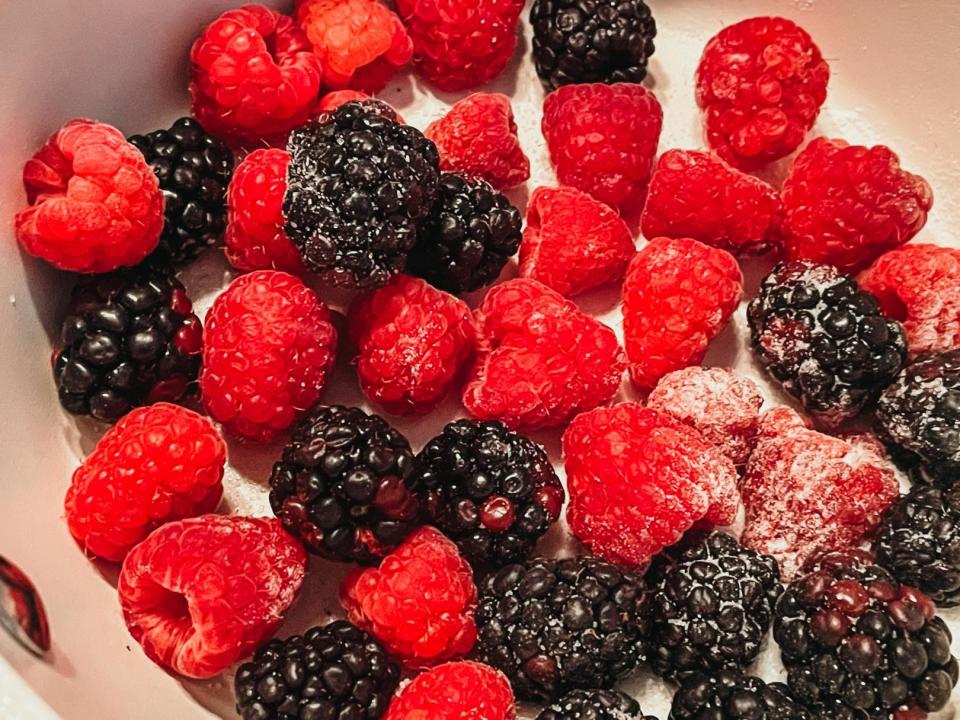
(573, 242)
(478, 137)
(202, 593)
(94, 204)
(455, 691)
(332, 100)
(760, 83)
(845, 205)
(677, 297)
(917, 284)
(722, 405)
(458, 45)
(419, 603)
(540, 359)
(697, 195)
(639, 479)
(412, 341)
(158, 463)
(254, 76)
(602, 140)
(268, 348)
(360, 43)
(806, 492)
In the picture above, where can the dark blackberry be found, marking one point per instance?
(358, 184)
(595, 705)
(557, 625)
(194, 170)
(919, 415)
(712, 606)
(587, 41)
(468, 237)
(919, 542)
(492, 491)
(130, 338)
(336, 671)
(825, 339)
(857, 644)
(343, 485)
(729, 695)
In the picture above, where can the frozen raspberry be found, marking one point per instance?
(202, 593)
(268, 346)
(255, 237)
(254, 76)
(845, 205)
(159, 463)
(459, 45)
(361, 43)
(455, 691)
(94, 203)
(806, 492)
(573, 242)
(419, 603)
(639, 479)
(332, 100)
(602, 140)
(541, 360)
(760, 83)
(722, 405)
(677, 297)
(478, 137)
(697, 195)
(919, 285)
(412, 341)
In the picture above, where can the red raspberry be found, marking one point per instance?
(760, 83)
(159, 463)
(419, 603)
(94, 203)
(697, 195)
(412, 341)
(603, 138)
(361, 43)
(919, 285)
(459, 45)
(332, 100)
(268, 347)
(723, 406)
(254, 76)
(540, 359)
(478, 137)
(455, 691)
(639, 479)
(677, 297)
(845, 205)
(573, 242)
(202, 593)
(807, 493)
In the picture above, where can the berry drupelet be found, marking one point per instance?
(343, 485)
(334, 671)
(130, 338)
(492, 491)
(729, 695)
(594, 705)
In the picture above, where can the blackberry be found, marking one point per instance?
(825, 339)
(919, 542)
(595, 705)
(358, 184)
(556, 625)
(343, 485)
(712, 606)
(335, 671)
(587, 41)
(729, 695)
(194, 170)
(468, 237)
(492, 491)
(857, 644)
(130, 338)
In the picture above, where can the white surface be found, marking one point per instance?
(893, 81)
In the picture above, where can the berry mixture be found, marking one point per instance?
(455, 691)
(729, 695)
(594, 705)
